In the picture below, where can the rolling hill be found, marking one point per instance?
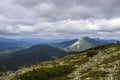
(38, 53)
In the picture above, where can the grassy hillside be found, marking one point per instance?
(99, 63)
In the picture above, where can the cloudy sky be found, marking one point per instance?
(60, 18)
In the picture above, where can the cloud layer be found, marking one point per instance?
(60, 18)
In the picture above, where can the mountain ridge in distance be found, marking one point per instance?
(81, 44)
(9, 43)
(74, 45)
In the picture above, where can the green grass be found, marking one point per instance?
(95, 75)
(112, 59)
(1, 73)
(52, 73)
(118, 74)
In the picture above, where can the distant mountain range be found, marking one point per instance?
(42, 41)
(16, 53)
(7, 40)
(81, 44)
(65, 44)
(6, 43)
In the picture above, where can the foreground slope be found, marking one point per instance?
(99, 63)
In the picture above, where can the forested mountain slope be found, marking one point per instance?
(32, 55)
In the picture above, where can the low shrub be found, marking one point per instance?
(91, 53)
(46, 73)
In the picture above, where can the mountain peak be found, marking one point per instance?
(86, 37)
(80, 44)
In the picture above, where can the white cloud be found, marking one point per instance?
(25, 29)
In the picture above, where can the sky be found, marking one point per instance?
(60, 18)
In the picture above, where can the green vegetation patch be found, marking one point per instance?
(95, 75)
(91, 53)
(1, 73)
(118, 74)
(58, 72)
(112, 59)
